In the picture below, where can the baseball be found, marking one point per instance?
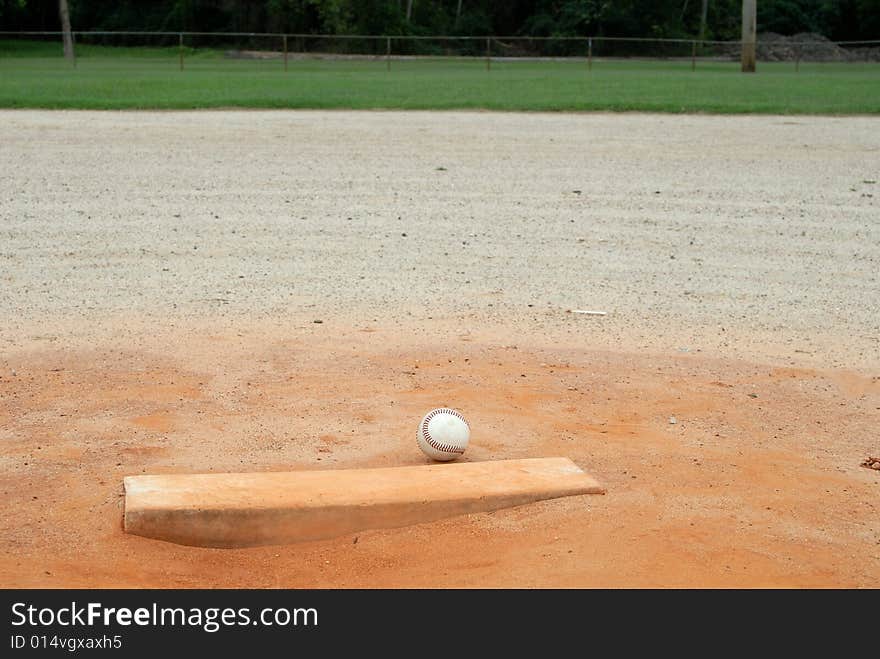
(443, 434)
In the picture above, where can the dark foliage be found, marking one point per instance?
(836, 19)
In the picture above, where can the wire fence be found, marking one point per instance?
(283, 49)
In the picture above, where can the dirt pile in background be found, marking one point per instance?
(806, 46)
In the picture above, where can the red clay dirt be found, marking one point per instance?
(757, 483)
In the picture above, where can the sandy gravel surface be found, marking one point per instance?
(696, 229)
(160, 275)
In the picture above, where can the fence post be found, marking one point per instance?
(693, 56)
(73, 48)
(285, 52)
(388, 53)
(180, 50)
(488, 54)
(590, 54)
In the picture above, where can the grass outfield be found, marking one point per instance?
(150, 79)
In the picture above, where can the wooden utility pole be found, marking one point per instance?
(749, 35)
(67, 33)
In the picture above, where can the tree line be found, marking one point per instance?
(716, 19)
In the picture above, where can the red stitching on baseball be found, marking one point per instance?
(426, 435)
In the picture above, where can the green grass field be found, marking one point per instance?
(142, 78)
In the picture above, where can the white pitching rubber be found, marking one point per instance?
(244, 510)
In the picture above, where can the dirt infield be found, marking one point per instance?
(162, 275)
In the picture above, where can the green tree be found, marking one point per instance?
(569, 18)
